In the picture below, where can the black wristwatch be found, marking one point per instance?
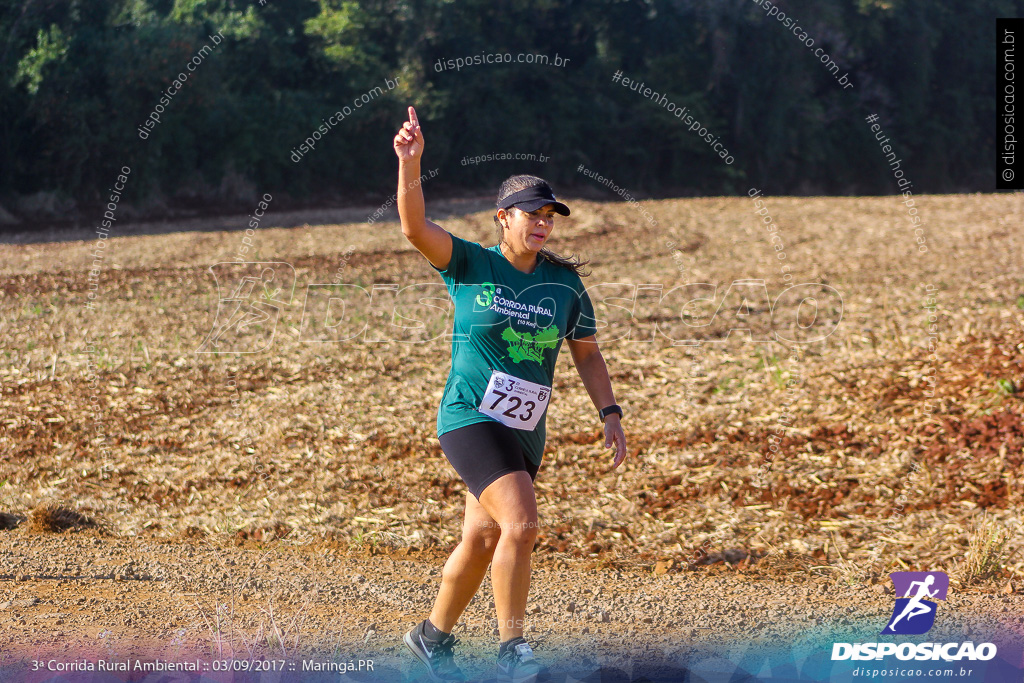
(605, 412)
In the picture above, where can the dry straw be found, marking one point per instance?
(54, 518)
(987, 552)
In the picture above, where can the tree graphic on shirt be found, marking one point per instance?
(529, 345)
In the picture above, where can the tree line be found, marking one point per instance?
(212, 103)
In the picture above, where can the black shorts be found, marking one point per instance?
(483, 451)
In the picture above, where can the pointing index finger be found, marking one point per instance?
(412, 116)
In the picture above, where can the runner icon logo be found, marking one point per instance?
(914, 612)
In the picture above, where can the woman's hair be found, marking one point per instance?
(521, 182)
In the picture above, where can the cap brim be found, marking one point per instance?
(534, 204)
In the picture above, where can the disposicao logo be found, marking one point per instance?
(914, 614)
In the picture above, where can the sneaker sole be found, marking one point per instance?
(407, 639)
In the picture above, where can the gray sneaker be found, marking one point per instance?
(437, 657)
(518, 665)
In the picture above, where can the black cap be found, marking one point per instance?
(532, 198)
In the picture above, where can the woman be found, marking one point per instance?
(514, 303)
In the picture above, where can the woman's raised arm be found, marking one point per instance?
(429, 238)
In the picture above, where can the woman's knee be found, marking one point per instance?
(481, 537)
(521, 533)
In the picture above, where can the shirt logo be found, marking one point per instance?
(523, 346)
(487, 296)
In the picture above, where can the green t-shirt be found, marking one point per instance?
(509, 321)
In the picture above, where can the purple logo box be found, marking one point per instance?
(901, 582)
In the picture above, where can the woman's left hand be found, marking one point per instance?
(613, 434)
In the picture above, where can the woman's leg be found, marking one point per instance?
(465, 569)
(511, 501)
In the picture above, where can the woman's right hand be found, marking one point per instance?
(409, 141)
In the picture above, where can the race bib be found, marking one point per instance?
(515, 402)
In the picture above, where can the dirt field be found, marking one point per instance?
(295, 500)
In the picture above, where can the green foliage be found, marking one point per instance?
(340, 31)
(51, 47)
(726, 384)
(78, 78)
(775, 371)
(1006, 387)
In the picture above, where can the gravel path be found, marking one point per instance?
(66, 594)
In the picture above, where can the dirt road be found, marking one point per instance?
(64, 595)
